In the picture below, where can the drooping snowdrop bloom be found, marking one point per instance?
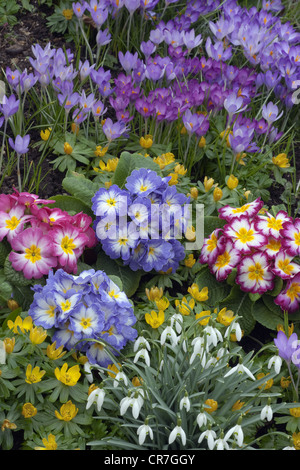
(266, 413)
(169, 334)
(96, 396)
(238, 434)
(143, 431)
(135, 401)
(185, 403)
(275, 361)
(234, 328)
(221, 443)
(141, 341)
(201, 419)
(177, 432)
(210, 436)
(213, 335)
(144, 354)
(120, 377)
(240, 369)
(254, 274)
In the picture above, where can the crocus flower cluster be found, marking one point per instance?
(42, 238)
(89, 306)
(142, 224)
(261, 247)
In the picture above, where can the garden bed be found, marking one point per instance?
(140, 339)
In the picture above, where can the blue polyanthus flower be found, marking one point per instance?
(143, 182)
(83, 310)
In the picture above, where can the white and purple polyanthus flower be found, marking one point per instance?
(142, 224)
(87, 307)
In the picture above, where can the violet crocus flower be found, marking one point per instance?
(233, 104)
(132, 5)
(286, 346)
(128, 60)
(217, 51)
(113, 130)
(147, 48)
(79, 9)
(9, 106)
(190, 40)
(270, 113)
(99, 16)
(103, 37)
(21, 144)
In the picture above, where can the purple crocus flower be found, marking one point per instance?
(113, 130)
(270, 113)
(9, 106)
(147, 48)
(21, 144)
(128, 60)
(217, 51)
(190, 40)
(233, 104)
(79, 8)
(286, 346)
(99, 16)
(85, 69)
(103, 37)
(132, 5)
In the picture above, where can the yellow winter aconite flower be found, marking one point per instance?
(147, 141)
(54, 353)
(208, 183)
(203, 317)
(225, 317)
(68, 13)
(28, 410)
(180, 170)
(34, 375)
(190, 261)
(8, 425)
(68, 411)
(111, 164)
(200, 296)
(194, 192)
(173, 180)
(232, 182)
(49, 444)
(267, 384)
(290, 328)
(45, 134)
(225, 135)
(190, 233)
(162, 304)
(296, 440)
(285, 382)
(211, 405)
(100, 151)
(237, 405)
(114, 370)
(68, 149)
(68, 377)
(37, 335)
(217, 194)
(9, 344)
(155, 319)
(202, 142)
(164, 159)
(155, 293)
(281, 160)
(185, 307)
(20, 325)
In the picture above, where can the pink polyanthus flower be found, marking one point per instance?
(271, 226)
(272, 247)
(243, 234)
(226, 261)
(254, 274)
(284, 267)
(68, 245)
(211, 247)
(35, 258)
(12, 222)
(289, 298)
(291, 237)
(250, 209)
(83, 223)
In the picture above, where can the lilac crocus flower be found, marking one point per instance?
(99, 16)
(9, 106)
(132, 5)
(21, 144)
(79, 8)
(286, 346)
(270, 113)
(113, 130)
(103, 37)
(190, 40)
(85, 69)
(233, 104)
(217, 51)
(128, 60)
(147, 48)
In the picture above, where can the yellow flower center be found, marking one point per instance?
(285, 266)
(212, 243)
(293, 291)
(85, 323)
(245, 235)
(297, 238)
(67, 245)
(33, 254)
(223, 260)
(65, 305)
(239, 210)
(274, 224)
(256, 272)
(12, 223)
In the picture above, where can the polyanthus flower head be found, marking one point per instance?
(85, 307)
(244, 235)
(254, 274)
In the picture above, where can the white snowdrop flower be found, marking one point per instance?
(88, 369)
(234, 328)
(201, 419)
(213, 335)
(240, 369)
(210, 435)
(221, 444)
(185, 403)
(176, 322)
(177, 432)
(96, 396)
(289, 448)
(238, 434)
(2, 352)
(169, 334)
(201, 356)
(277, 362)
(266, 413)
(141, 341)
(135, 402)
(120, 377)
(143, 431)
(143, 353)
(212, 361)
